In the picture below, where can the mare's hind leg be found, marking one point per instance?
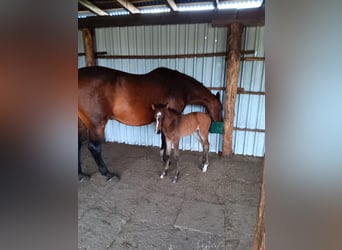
(95, 138)
(167, 159)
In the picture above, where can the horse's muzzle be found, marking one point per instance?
(158, 131)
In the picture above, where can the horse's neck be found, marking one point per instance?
(171, 121)
(199, 99)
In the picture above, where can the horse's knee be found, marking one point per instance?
(176, 157)
(94, 147)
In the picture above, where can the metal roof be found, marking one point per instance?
(106, 13)
(108, 5)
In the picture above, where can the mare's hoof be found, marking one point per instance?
(82, 177)
(110, 176)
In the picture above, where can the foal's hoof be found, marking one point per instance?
(82, 177)
(162, 175)
(175, 179)
(204, 167)
(110, 176)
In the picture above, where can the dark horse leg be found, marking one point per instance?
(163, 148)
(167, 159)
(95, 149)
(82, 137)
(205, 152)
(81, 175)
(176, 158)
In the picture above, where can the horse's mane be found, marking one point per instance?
(174, 111)
(164, 106)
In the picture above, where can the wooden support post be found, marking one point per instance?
(232, 74)
(259, 237)
(88, 47)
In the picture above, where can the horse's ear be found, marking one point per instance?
(218, 95)
(153, 107)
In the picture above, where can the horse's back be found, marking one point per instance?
(203, 117)
(198, 117)
(125, 97)
(175, 79)
(97, 75)
(190, 122)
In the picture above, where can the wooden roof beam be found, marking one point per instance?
(93, 8)
(128, 6)
(172, 5)
(218, 18)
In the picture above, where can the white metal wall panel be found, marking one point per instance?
(250, 108)
(80, 42)
(81, 59)
(189, 39)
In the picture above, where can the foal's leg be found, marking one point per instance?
(167, 158)
(96, 136)
(163, 147)
(205, 147)
(176, 157)
(205, 158)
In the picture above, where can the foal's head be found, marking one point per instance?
(159, 113)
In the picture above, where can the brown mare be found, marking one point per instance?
(105, 93)
(174, 126)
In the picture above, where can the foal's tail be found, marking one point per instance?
(198, 136)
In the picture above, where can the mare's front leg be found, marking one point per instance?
(81, 175)
(95, 148)
(167, 158)
(176, 158)
(82, 136)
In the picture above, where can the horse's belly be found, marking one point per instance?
(132, 104)
(133, 115)
(133, 121)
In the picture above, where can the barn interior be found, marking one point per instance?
(221, 44)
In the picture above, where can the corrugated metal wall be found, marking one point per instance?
(81, 59)
(187, 39)
(250, 108)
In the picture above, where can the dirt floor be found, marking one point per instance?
(212, 210)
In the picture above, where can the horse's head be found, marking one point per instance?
(214, 107)
(159, 112)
